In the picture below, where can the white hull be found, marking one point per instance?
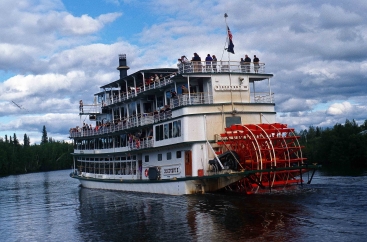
(172, 188)
(175, 187)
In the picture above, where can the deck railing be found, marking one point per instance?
(220, 66)
(131, 122)
(145, 118)
(191, 99)
(141, 143)
(262, 97)
(135, 91)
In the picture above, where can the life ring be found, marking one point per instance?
(146, 172)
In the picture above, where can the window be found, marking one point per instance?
(178, 154)
(161, 137)
(159, 157)
(177, 128)
(168, 130)
(232, 120)
(146, 159)
(159, 132)
(169, 156)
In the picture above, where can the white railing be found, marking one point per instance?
(262, 97)
(131, 122)
(145, 118)
(193, 98)
(142, 144)
(220, 66)
(140, 89)
(136, 144)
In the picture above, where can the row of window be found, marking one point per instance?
(117, 158)
(116, 168)
(131, 158)
(168, 130)
(168, 156)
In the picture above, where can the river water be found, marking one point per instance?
(50, 206)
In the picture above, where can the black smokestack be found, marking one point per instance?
(122, 66)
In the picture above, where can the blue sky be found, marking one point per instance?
(55, 52)
(135, 16)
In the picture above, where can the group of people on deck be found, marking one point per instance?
(153, 79)
(245, 64)
(211, 63)
(134, 141)
(85, 127)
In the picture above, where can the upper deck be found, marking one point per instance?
(142, 89)
(144, 81)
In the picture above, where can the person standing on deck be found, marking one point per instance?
(156, 78)
(214, 63)
(256, 64)
(247, 63)
(196, 62)
(242, 64)
(208, 63)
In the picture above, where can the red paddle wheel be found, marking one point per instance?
(270, 153)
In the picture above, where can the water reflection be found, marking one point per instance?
(113, 216)
(258, 217)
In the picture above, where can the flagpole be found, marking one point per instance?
(229, 60)
(225, 20)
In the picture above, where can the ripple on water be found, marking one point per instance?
(51, 206)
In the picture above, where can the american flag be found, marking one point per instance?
(230, 44)
(229, 33)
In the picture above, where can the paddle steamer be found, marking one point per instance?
(200, 127)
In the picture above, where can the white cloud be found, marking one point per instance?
(339, 108)
(363, 67)
(25, 86)
(297, 104)
(85, 24)
(33, 32)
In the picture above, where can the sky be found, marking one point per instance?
(55, 52)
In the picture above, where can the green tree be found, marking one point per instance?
(15, 140)
(341, 147)
(26, 142)
(44, 139)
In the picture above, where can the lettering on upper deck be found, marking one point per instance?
(231, 87)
